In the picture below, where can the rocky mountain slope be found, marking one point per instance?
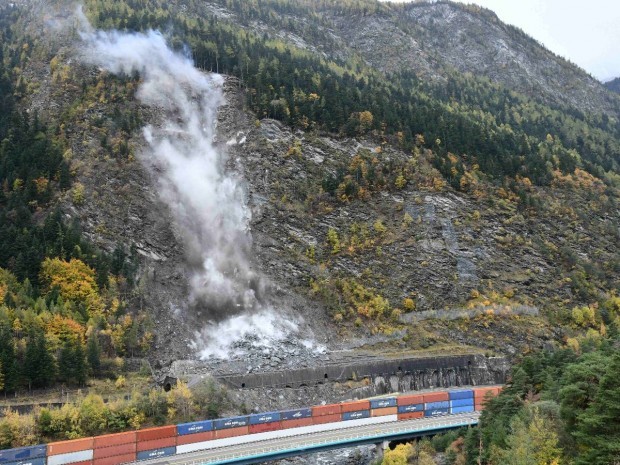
(613, 85)
(363, 241)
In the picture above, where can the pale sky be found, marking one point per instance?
(585, 32)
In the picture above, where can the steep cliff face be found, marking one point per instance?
(613, 85)
(411, 264)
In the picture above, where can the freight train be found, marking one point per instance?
(145, 444)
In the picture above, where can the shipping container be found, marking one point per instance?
(436, 412)
(268, 417)
(434, 405)
(478, 407)
(410, 408)
(347, 416)
(410, 416)
(319, 420)
(462, 409)
(154, 454)
(231, 432)
(22, 453)
(116, 460)
(296, 423)
(34, 461)
(109, 440)
(383, 403)
(194, 427)
(356, 406)
(152, 434)
(198, 437)
(464, 394)
(66, 447)
(156, 444)
(70, 457)
(462, 402)
(482, 394)
(435, 397)
(122, 449)
(381, 412)
(296, 414)
(329, 409)
(234, 422)
(264, 427)
(410, 400)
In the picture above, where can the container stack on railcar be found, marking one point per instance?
(153, 443)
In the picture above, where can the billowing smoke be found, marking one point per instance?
(207, 201)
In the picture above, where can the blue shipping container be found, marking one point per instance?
(441, 404)
(37, 461)
(436, 412)
(234, 422)
(196, 427)
(461, 402)
(355, 415)
(21, 453)
(410, 408)
(156, 453)
(296, 414)
(382, 403)
(465, 394)
(269, 417)
(463, 409)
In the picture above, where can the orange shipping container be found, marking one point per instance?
(326, 419)
(116, 460)
(109, 440)
(122, 449)
(296, 423)
(66, 447)
(330, 409)
(231, 432)
(192, 438)
(355, 406)
(479, 407)
(480, 395)
(410, 415)
(410, 400)
(264, 427)
(151, 434)
(156, 444)
(380, 412)
(436, 397)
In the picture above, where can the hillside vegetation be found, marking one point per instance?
(430, 206)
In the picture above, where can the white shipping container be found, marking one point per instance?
(71, 457)
(284, 433)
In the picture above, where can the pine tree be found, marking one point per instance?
(93, 354)
(39, 367)
(598, 432)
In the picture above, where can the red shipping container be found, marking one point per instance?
(156, 444)
(122, 449)
(355, 406)
(410, 400)
(329, 409)
(326, 419)
(480, 395)
(380, 412)
(264, 427)
(410, 415)
(436, 397)
(117, 459)
(231, 432)
(297, 423)
(151, 434)
(479, 407)
(109, 440)
(496, 391)
(66, 447)
(192, 438)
